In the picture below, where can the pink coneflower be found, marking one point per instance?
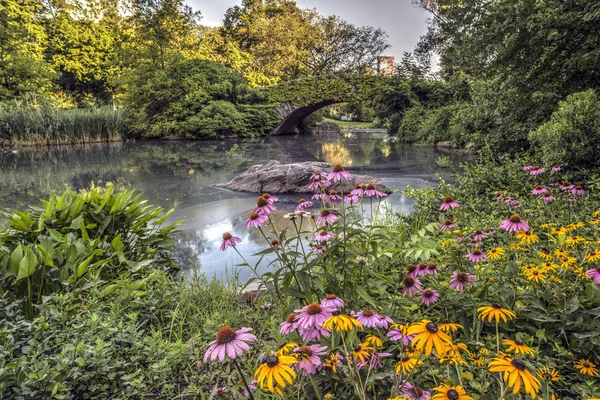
(291, 216)
(308, 358)
(221, 390)
(411, 286)
(373, 361)
(367, 318)
(459, 239)
(510, 202)
(274, 243)
(334, 197)
(460, 280)
(499, 196)
(384, 321)
(556, 169)
(449, 203)
(229, 241)
(357, 191)
(289, 325)
(251, 385)
(303, 204)
(539, 190)
(318, 181)
(473, 242)
(324, 236)
(372, 191)
(319, 196)
(313, 334)
(566, 186)
(527, 167)
(432, 268)
(479, 235)
(397, 336)
(331, 300)
(229, 342)
(319, 249)
(572, 200)
(412, 270)
(594, 274)
(514, 224)
(304, 214)
(338, 174)
(448, 224)
(421, 269)
(313, 316)
(429, 296)
(255, 220)
(264, 207)
(547, 198)
(414, 392)
(351, 199)
(537, 170)
(270, 198)
(476, 255)
(326, 217)
(578, 191)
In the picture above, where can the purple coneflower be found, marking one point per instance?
(572, 200)
(264, 207)
(566, 186)
(270, 198)
(548, 198)
(229, 241)
(432, 268)
(397, 336)
(372, 191)
(313, 334)
(539, 190)
(326, 217)
(357, 191)
(421, 269)
(319, 249)
(274, 243)
(303, 204)
(338, 174)
(412, 270)
(221, 390)
(367, 318)
(334, 197)
(460, 280)
(251, 385)
(448, 224)
(384, 321)
(291, 216)
(527, 167)
(414, 392)
(313, 316)
(476, 255)
(318, 181)
(255, 220)
(373, 361)
(429, 296)
(510, 202)
(479, 235)
(289, 325)
(594, 274)
(319, 196)
(499, 196)
(537, 170)
(514, 224)
(308, 358)
(331, 300)
(229, 342)
(324, 236)
(411, 286)
(351, 199)
(556, 169)
(578, 191)
(449, 203)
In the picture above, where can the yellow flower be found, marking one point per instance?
(555, 279)
(516, 374)
(412, 352)
(586, 367)
(286, 348)
(575, 225)
(592, 256)
(496, 254)
(447, 243)
(373, 340)
(428, 335)
(445, 392)
(535, 275)
(333, 362)
(545, 256)
(516, 247)
(547, 225)
(407, 364)
(477, 359)
(454, 359)
(495, 311)
(274, 373)
(548, 266)
(341, 322)
(559, 231)
(573, 240)
(596, 213)
(546, 374)
(594, 222)
(362, 351)
(560, 253)
(484, 352)
(448, 326)
(567, 262)
(518, 346)
(527, 237)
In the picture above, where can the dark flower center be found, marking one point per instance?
(301, 201)
(331, 296)
(519, 342)
(319, 247)
(274, 242)
(271, 361)
(292, 317)
(476, 252)
(432, 266)
(418, 391)
(325, 213)
(447, 222)
(367, 313)
(538, 187)
(357, 349)
(515, 219)
(446, 321)
(338, 168)
(428, 293)
(357, 186)
(336, 313)
(305, 350)
(536, 273)
(324, 233)
(253, 216)
(408, 281)
(226, 236)
(586, 365)
(370, 186)
(266, 196)
(478, 232)
(225, 335)
(313, 309)
(497, 306)
(332, 193)
(547, 375)
(462, 277)
(261, 202)
(598, 268)
(422, 266)
(578, 187)
(452, 394)
(536, 168)
(431, 327)
(411, 267)
(518, 364)
(282, 345)
(448, 199)
(405, 358)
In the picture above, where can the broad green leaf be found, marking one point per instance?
(27, 265)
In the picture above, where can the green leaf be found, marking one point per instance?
(14, 260)
(82, 269)
(117, 243)
(363, 293)
(27, 265)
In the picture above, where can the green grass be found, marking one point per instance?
(351, 124)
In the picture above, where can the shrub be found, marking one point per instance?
(572, 136)
(411, 123)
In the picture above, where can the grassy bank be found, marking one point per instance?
(43, 126)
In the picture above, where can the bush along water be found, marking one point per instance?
(490, 291)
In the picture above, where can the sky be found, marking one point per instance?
(402, 21)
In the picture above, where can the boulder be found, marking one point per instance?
(274, 177)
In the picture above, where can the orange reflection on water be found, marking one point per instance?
(336, 153)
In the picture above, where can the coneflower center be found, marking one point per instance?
(357, 186)
(578, 187)
(462, 277)
(411, 267)
(266, 196)
(432, 266)
(325, 213)
(408, 281)
(331, 296)
(447, 222)
(515, 219)
(305, 350)
(332, 193)
(226, 236)
(272, 361)
(367, 313)
(253, 216)
(476, 252)
(478, 232)
(291, 318)
(598, 268)
(274, 242)
(452, 394)
(313, 309)
(338, 168)
(519, 342)
(261, 202)
(301, 201)
(225, 335)
(427, 293)
(418, 391)
(324, 233)
(431, 327)
(370, 186)
(536, 168)
(518, 364)
(538, 187)
(448, 199)
(422, 266)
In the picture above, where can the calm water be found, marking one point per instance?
(181, 175)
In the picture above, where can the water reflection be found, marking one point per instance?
(182, 175)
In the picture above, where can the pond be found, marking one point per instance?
(182, 175)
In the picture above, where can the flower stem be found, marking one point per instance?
(243, 379)
(498, 349)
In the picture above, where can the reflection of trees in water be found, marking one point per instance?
(188, 248)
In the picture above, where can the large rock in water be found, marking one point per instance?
(274, 177)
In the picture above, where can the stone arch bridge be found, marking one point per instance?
(296, 100)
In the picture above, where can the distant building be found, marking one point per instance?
(386, 65)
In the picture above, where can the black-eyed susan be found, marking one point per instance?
(517, 247)
(518, 346)
(452, 358)
(362, 351)
(574, 240)
(427, 336)
(274, 373)
(333, 362)
(495, 311)
(567, 262)
(477, 359)
(594, 222)
(561, 253)
(484, 352)
(374, 340)
(496, 253)
(592, 256)
(445, 392)
(548, 266)
(547, 374)
(555, 279)
(586, 367)
(535, 275)
(412, 352)
(547, 225)
(448, 326)
(341, 322)
(559, 231)
(575, 225)
(407, 364)
(528, 237)
(545, 256)
(516, 374)
(286, 348)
